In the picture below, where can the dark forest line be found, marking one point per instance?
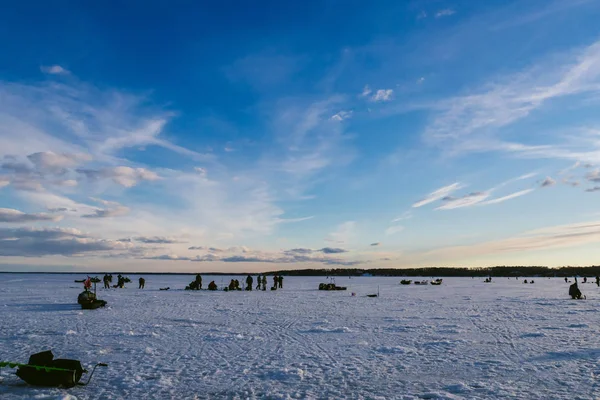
(500, 271)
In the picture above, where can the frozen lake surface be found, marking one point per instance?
(462, 340)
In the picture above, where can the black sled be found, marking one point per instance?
(44, 370)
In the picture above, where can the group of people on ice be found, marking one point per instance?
(121, 281)
(234, 284)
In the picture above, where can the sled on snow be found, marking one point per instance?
(88, 301)
(43, 370)
(330, 286)
(405, 282)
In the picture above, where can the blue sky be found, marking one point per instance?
(224, 136)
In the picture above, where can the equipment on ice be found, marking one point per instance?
(87, 299)
(43, 370)
(330, 286)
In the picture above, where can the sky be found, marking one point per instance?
(228, 136)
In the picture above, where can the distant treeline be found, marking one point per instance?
(432, 272)
(506, 271)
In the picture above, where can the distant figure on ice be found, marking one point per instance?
(264, 282)
(237, 285)
(566, 280)
(106, 281)
(258, 281)
(212, 286)
(275, 281)
(574, 291)
(249, 282)
(280, 281)
(585, 279)
(196, 284)
(598, 281)
(231, 285)
(142, 283)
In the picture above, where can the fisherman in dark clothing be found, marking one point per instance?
(574, 291)
(585, 279)
(598, 281)
(232, 285)
(258, 282)
(264, 282)
(249, 282)
(142, 283)
(280, 281)
(275, 281)
(212, 286)
(566, 279)
(106, 282)
(198, 281)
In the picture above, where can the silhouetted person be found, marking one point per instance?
(280, 281)
(585, 279)
(264, 282)
(232, 285)
(566, 280)
(275, 281)
(142, 283)
(258, 281)
(598, 281)
(236, 284)
(106, 282)
(574, 291)
(249, 282)
(198, 281)
(212, 286)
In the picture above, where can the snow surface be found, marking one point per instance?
(462, 340)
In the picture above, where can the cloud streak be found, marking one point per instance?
(9, 215)
(437, 194)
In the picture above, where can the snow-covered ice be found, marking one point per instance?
(462, 340)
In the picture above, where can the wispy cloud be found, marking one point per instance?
(15, 216)
(465, 201)
(508, 197)
(438, 194)
(375, 244)
(472, 122)
(383, 95)
(594, 189)
(445, 13)
(342, 115)
(366, 91)
(593, 176)
(157, 240)
(125, 176)
(548, 182)
(114, 210)
(405, 215)
(54, 70)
